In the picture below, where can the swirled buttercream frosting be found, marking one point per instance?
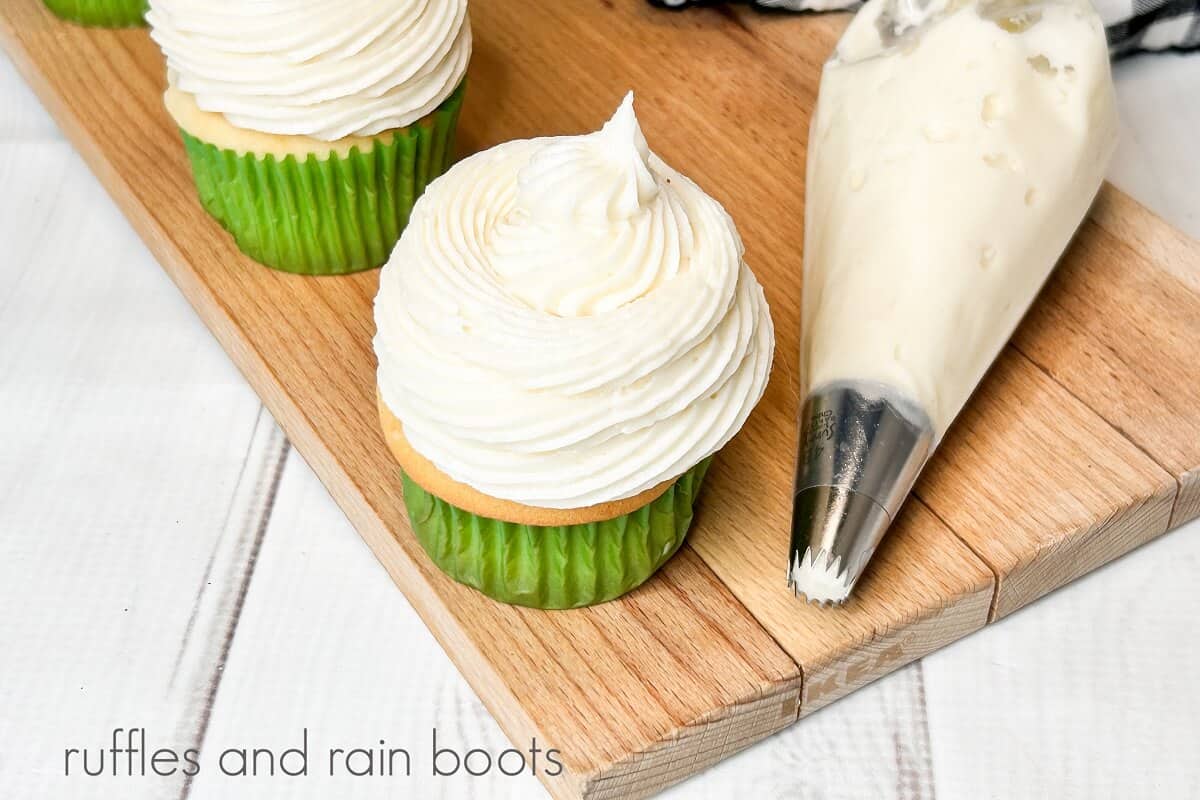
(568, 321)
(315, 68)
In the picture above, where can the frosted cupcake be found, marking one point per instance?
(567, 332)
(101, 13)
(313, 126)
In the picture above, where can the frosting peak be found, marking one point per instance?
(592, 226)
(568, 321)
(630, 158)
(592, 179)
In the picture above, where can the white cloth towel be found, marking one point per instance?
(1132, 25)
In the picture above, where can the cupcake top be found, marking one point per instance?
(326, 69)
(568, 321)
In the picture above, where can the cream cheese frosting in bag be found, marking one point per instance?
(955, 148)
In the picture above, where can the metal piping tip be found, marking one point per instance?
(822, 577)
(834, 533)
(862, 446)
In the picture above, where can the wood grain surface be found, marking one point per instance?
(603, 685)
(1109, 313)
(1039, 486)
(708, 657)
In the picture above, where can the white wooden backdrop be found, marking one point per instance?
(168, 562)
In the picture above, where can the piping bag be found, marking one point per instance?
(955, 148)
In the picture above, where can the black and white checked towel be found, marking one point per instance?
(1132, 25)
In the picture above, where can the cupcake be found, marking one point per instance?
(566, 334)
(101, 13)
(313, 126)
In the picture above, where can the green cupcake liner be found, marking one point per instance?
(565, 566)
(325, 216)
(101, 13)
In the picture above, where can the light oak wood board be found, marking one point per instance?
(679, 669)
(708, 657)
(1124, 337)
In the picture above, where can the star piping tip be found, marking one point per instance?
(818, 579)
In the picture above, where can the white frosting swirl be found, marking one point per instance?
(315, 68)
(568, 321)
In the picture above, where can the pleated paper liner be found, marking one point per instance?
(101, 13)
(565, 566)
(330, 215)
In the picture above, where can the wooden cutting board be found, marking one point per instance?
(1083, 442)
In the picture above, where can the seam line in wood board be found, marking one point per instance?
(273, 472)
(799, 667)
(571, 675)
(987, 565)
(637, 613)
(674, 733)
(720, 632)
(1175, 479)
